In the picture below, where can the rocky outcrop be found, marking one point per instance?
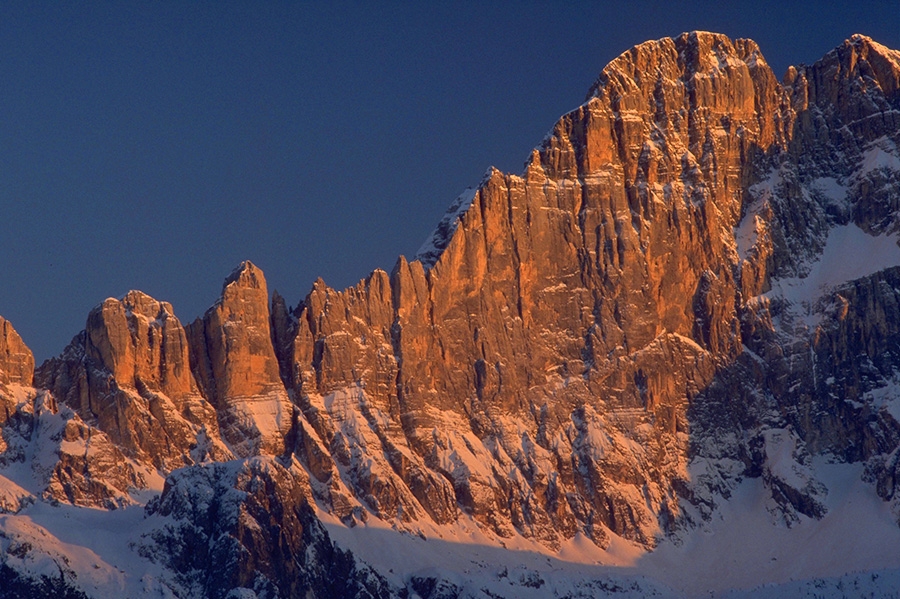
(16, 360)
(68, 460)
(128, 380)
(234, 362)
(128, 373)
(259, 535)
(661, 306)
(84, 467)
(16, 368)
(141, 343)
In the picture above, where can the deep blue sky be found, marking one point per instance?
(154, 146)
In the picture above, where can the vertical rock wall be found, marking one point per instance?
(584, 330)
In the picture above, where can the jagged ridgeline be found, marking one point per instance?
(692, 285)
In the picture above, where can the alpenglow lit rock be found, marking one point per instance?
(128, 373)
(680, 324)
(16, 360)
(235, 364)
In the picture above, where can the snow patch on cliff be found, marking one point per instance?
(881, 154)
(437, 242)
(849, 254)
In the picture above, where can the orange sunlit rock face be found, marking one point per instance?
(233, 357)
(572, 337)
(16, 360)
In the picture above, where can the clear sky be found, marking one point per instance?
(155, 145)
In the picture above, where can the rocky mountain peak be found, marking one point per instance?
(16, 360)
(858, 79)
(689, 296)
(141, 343)
(693, 55)
(139, 302)
(884, 61)
(129, 374)
(233, 358)
(247, 275)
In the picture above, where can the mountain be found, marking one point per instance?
(662, 361)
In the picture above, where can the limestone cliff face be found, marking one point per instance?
(566, 326)
(16, 360)
(128, 374)
(172, 395)
(141, 343)
(234, 361)
(661, 305)
(16, 368)
(572, 310)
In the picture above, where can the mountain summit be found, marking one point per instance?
(682, 318)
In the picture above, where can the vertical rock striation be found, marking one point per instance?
(235, 365)
(128, 374)
(16, 360)
(549, 355)
(540, 342)
(664, 303)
